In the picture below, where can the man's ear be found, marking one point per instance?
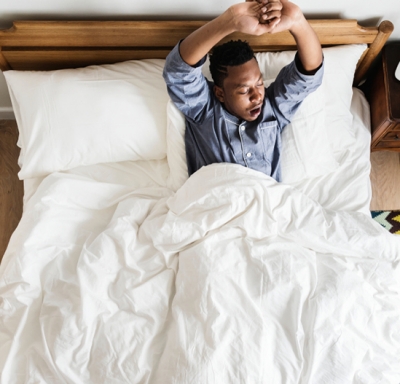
(219, 93)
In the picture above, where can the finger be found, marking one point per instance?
(267, 28)
(274, 23)
(271, 15)
(261, 2)
(271, 22)
(273, 6)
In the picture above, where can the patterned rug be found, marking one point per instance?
(388, 219)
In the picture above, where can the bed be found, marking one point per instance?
(124, 270)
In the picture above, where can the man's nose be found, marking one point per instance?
(256, 95)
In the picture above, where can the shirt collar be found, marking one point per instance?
(231, 118)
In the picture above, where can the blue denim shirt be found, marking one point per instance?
(213, 135)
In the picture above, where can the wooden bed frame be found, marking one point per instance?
(38, 45)
(47, 45)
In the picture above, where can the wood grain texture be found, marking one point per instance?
(3, 62)
(11, 188)
(385, 29)
(164, 34)
(384, 99)
(43, 45)
(385, 180)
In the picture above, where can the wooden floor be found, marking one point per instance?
(11, 189)
(385, 178)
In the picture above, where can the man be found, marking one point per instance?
(235, 119)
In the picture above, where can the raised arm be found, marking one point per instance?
(292, 19)
(308, 45)
(242, 17)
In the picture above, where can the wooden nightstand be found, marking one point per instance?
(384, 98)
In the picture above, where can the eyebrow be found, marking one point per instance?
(246, 85)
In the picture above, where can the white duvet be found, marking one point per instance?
(233, 279)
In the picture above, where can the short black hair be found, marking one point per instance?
(232, 53)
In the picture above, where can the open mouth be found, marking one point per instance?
(255, 111)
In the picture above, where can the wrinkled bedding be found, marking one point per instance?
(232, 279)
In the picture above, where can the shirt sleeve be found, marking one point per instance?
(290, 88)
(187, 86)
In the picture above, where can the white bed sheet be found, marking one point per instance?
(112, 277)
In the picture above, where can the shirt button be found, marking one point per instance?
(242, 128)
(248, 154)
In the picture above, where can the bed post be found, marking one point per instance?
(384, 31)
(4, 66)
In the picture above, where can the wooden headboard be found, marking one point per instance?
(45, 45)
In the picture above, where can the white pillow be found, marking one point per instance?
(306, 150)
(311, 143)
(98, 114)
(176, 152)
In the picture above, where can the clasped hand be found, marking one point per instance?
(270, 11)
(275, 15)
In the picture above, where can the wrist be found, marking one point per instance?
(299, 25)
(227, 22)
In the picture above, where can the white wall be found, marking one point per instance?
(368, 12)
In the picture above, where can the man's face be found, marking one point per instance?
(242, 92)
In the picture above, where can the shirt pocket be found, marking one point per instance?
(268, 133)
